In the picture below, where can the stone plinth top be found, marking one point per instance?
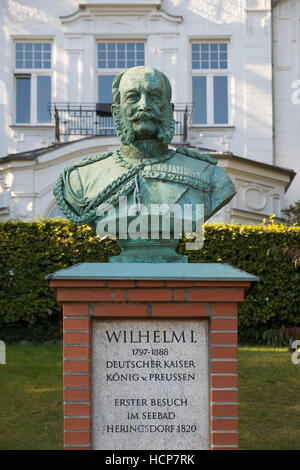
(154, 271)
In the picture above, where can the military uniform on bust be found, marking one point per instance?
(186, 176)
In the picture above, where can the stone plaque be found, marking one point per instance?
(150, 385)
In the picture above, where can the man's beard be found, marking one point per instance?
(127, 134)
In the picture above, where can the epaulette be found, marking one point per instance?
(92, 159)
(197, 155)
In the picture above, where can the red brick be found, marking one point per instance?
(120, 295)
(179, 283)
(224, 395)
(224, 410)
(179, 295)
(216, 295)
(76, 338)
(76, 309)
(224, 309)
(224, 381)
(77, 380)
(77, 437)
(76, 323)
(83, 394)
(77, 366)
(84, 294)
(223, 338)
(224, 424)
(121, 283)
(149, 295)
(179, 310)
(223, 367)
(150, 283)
(69, 447)
(77, 424)
(77, 409)
(76, 351)
(225, 448)
(120, 310)
(224, 324)
(221, 284)
(62, 283)
(225, 438)
(223, 352)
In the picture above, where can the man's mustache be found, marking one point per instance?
(144, 115)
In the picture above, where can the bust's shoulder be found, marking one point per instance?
(77, 183)
(89, 166)
(92, 160)
(91, 163)
(103, 166)
(94, 167)
(92, 175)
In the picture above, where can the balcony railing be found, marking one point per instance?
(95, 119)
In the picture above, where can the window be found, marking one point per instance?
(210, 79)
(33, 82)
(112, 58)
(120, 55)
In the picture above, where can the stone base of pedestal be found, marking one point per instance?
(138, 334)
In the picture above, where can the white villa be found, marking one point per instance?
(234, 67)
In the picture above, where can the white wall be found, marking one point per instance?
(168, 32)
(286, 98)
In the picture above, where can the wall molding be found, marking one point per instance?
(88, 12)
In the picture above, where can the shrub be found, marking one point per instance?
(275, 301)
(292, 214)
(30, 251)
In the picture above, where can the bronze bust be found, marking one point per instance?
(145, 170)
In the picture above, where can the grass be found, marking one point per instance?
(269, 399)
(31, 398)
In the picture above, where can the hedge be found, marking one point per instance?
(275, 301)
(29, 251)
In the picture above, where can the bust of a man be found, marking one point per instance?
(145, 170)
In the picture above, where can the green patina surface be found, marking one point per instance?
(145, 170)
(155, 271)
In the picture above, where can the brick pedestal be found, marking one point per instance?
(97, 290)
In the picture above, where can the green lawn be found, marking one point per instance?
(269, 399)
(31, 398)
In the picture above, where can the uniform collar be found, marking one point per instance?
(145, 152)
